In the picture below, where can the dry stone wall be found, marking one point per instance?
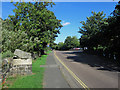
(20, 64)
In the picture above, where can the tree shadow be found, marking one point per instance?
(100, 63)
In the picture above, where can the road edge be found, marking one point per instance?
(67, 75)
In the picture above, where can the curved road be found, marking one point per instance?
(92, 70)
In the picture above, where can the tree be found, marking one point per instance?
(60, 46)
(53, 45)
(90, 29)
(68, 42)
(39, 23)
(102, 34)
(111, 33)
(12, 40)
(75, 42)
(116, 12)
(71, 42)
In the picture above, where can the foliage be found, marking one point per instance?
(7, 54)
(53, 46)
(38, 22)
(116, 12)
(31, 28)
(60, 46)
(90, 29)
(71, 42)
(102, 34)
(12, 40)
(111, 33)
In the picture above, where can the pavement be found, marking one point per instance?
(53, 77)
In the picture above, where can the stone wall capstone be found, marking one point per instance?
(22, 54)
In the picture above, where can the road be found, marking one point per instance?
(90, 69)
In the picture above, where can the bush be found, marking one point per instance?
(7, 54)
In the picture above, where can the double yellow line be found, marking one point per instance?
(80, 82)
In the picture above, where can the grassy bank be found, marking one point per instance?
(31, 81)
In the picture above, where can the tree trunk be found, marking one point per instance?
(42, 52)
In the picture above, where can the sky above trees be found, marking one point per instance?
(71, 13)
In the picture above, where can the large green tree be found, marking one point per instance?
(39, 23)
(111, 33)
(90, 29)
(102, 33)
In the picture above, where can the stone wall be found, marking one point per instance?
(22, 54)
(21, 69)
(20, 64)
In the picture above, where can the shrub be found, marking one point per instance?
(7, 54)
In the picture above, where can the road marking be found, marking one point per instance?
(80, 81)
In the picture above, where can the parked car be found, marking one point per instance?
(77, 48)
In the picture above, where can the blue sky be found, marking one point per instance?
(71, 13)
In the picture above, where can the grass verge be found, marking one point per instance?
(31, 81)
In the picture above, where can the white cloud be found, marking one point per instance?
(66, 23)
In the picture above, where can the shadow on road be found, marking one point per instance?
(92, 60)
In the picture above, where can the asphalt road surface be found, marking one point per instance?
(90, 69)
